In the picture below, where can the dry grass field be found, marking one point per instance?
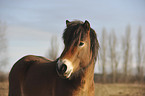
(119, 90)
(4, 88)
(102, 89)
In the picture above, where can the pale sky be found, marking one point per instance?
(31, 23)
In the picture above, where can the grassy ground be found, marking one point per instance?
(119, 90)
(102, 89)
(4, 89)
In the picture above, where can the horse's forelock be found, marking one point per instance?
(72, 34)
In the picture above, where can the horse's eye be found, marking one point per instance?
(81, 44)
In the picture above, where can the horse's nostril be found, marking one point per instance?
(63, 68)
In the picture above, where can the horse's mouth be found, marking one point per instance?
(68, 74)
(65, 75)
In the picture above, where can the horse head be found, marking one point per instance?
(81, 48)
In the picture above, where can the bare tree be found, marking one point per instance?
(114, 57)
(143, 63)
(53, 49)
(140, 55)
(127, 55)
(103, 53)
(3, 46)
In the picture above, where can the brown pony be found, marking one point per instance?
(71, 74)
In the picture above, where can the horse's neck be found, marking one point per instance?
(87, 82)
(88, 77)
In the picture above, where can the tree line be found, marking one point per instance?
(3, 51)
(124, 58)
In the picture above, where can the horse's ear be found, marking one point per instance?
(86, 25)
(67, 23)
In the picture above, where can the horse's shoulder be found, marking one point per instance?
(33, 58)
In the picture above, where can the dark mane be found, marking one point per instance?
(76, 31)
(94, 44)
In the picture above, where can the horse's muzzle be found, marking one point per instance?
(64, 68)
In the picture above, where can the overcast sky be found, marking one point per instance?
(31, 23)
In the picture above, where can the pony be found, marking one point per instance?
(72, 74)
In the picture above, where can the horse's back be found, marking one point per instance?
(30, 74)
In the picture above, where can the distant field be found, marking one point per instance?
(102, 89)
(119, 90)
(4, 89)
